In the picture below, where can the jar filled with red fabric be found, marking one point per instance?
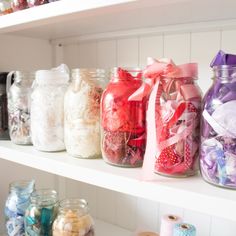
(123, 120)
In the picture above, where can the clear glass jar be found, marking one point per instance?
(73, 219)
(82, 113)
(17, 202)
(4, 134)
(218, 129)
(5, 7)
(33, 3)
(178, 108)
(18, 5)
(47, 110)
(41, 213)
(123, 121)
(19, 106)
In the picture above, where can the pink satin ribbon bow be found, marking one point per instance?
(160, 76)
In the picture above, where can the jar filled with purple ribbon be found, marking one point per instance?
(218, 129)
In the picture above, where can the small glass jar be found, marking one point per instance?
(178, 108)
(17, 202)
(33, 3)
(18, 5)
(82, 113)
(5, 7)
(218, 129)
(47, 110)
(122, 120)
(4, 134)
(73, 219)
(19, 106)
(41, 213)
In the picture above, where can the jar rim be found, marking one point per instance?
(22, 185)
(44, 195)
(74, 204)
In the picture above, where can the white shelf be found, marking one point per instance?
(67, 18)
(190, 193)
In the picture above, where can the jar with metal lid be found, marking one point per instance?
(73, 219)
(19, 106)
(82, 113)
(218, 129)
(41, 213)
(122, 120)
(4, 134)
(17, 202)
(47, 110)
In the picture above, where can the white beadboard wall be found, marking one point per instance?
(128, 211)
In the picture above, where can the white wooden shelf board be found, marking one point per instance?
(190, 193)
(68, 18)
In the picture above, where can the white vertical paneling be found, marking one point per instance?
(106, 207)
(126, 211)
(127, 52)
(76, 189)
(220, 227)
(166, 209)
(204, 47)
(147, 215)
(71, 55)
(177, 47)
(151, 46)
(228, 41)
(106, 54)
(20, 53)
(202, 222)
(87, 55)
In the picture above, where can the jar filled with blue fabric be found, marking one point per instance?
(218, 129)
(17, 202)
(41, 213)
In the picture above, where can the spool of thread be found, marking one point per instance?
(167, 224)
(184, 229)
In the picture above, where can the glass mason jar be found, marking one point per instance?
(41, 213)
(82, 113)
(123, 121)
(73, 219)
(17, 202)
(5, 7)
(19, 106)
(218, 129)
(4, 134)
(47, 110)
(18, 5)
(32, 3)
(178, 108)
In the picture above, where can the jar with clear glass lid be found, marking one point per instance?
(218, 129)
(73, 219)
(41, 213)
(19, 106)
(17, 202)
(82, 113)
(123, 121)
(47, 110)
(4, 133)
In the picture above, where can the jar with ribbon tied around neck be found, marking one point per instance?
(218, 128)
(173, 119)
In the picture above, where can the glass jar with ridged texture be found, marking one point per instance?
(73, 219)
(19, 102)
(218, 129)
(82, 113)
(41, 213)
(122, 120)
(17, 202)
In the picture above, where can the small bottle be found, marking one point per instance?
(17, 202)
(19, 106)
(73, 219)
(82, 113)
(41, 213)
